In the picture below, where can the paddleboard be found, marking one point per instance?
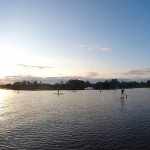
(58, 94)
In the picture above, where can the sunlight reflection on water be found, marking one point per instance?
(2, 94)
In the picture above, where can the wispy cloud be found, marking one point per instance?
(92, 74)
(104, 49)
(138, 72)
(94, 48)
(30, 66)
(81, 46)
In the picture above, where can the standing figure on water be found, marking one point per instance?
(122, 93)
(100, 90)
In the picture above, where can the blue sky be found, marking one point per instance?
(87, 39)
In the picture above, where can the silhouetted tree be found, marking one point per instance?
(98, 85)
(75, 85)
(106, 84)
(17, 86)
(148, 83)
(114, 83)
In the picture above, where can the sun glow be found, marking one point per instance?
(7, 60)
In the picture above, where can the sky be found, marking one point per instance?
(51, 40)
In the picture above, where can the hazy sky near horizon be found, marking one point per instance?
(75, 38)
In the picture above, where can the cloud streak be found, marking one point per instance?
(81, 46)
(30, 66)
(94, 48)
(104, 49)
(138, 72)
(92, 74)
(143, 74)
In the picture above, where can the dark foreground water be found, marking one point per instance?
(75, 120)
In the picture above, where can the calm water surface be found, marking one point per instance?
(74, 120)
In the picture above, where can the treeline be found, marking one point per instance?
(74, 85)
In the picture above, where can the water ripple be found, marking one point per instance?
(77, 120)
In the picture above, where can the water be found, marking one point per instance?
(75, 120)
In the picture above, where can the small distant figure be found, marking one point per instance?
(122, 93)
(100, 90)
(126, 96)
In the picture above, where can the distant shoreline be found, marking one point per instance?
(75, 85)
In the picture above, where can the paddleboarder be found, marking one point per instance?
(122, 93)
